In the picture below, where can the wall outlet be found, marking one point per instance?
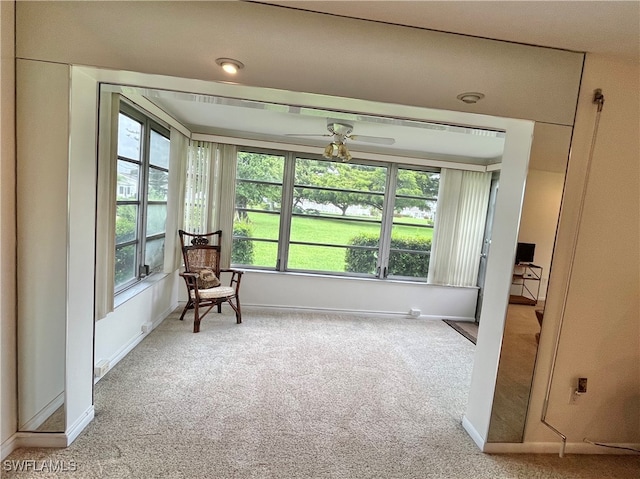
(582, 386)
(147, 327)
(101, 368)
(414, 312)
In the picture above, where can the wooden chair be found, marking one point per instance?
(201, 253)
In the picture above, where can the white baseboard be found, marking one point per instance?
(128, 347)
(393, 314)
(47, 439)
(8, 447)
(34, 439)
(554, 448)
(82, 422)
(475, 435)
(45, 413)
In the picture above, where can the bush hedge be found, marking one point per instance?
(400, 262)
(242, 251)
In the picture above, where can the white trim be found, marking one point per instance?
(133, 96)
(554, 448)
(129, 293)
(40, 417)
(365, 312)
(405, 160)
(127, 348)
(8, 446)
(39, 439)
(82, 422)
(471, 430)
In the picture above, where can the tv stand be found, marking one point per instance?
(525, 284)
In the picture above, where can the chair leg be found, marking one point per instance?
(219, 306)
(236, 308)
(238, 311)
(188, 306)
(196, 318)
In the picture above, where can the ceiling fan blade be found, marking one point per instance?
(307, 134)
(380, 140)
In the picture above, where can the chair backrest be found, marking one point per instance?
(201, 251)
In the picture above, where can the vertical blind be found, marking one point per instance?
(459, 227)
(196, 189)
(175, 205)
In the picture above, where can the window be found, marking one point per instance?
(142, 189)
(302, 213)
(256, 226)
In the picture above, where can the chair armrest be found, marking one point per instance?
(232, 270)
(236, 277)
(191, 280)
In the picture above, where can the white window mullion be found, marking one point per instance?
(384, 250)
(286, 210)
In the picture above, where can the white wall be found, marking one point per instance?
(291, 290)
(8, 392)
(601, 329)
(539, 221)
(121, 330)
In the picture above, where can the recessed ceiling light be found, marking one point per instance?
(230, 65)
(470, 97)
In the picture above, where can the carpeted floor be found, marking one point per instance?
(296, 395)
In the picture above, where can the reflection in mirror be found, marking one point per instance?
(538, 222)
(41, 249)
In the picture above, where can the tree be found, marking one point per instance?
(416, 184)
(341, 184)
(256, 167)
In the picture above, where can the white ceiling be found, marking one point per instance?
(598, 27)
(308, 126)
(607, 27)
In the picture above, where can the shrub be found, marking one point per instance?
(402, 263)
(362, 260)
(242, 249)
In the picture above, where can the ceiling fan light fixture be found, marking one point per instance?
(337, 150)
(343, 152)
(470, 97)
(230, 65)
(330, 151)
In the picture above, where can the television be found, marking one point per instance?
(525, 252)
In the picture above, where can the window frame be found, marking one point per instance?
(148, 124)
(287, 214)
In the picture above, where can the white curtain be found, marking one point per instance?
(106, 203)
(197, 187)
(175, 200)
(461, 213)
(227, 200)
(209, 196)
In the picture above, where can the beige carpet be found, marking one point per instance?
(288, 395)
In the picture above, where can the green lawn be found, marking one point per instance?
(319, 230)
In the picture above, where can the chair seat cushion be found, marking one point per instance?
(213, 293)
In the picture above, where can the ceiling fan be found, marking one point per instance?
(341, 131)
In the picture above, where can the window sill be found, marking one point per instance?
(338, 277)
(131, 292)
